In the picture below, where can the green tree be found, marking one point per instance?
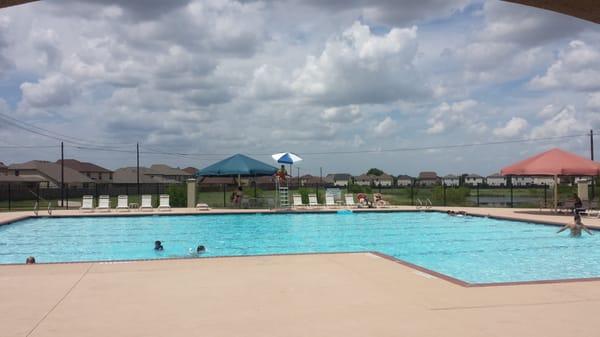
(375, 172)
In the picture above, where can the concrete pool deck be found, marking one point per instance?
(358, 294)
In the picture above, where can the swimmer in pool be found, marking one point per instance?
(158, 245)
(576, 227)
(199, 250)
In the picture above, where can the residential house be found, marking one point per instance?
(384, 180)
(128, 175)
(310, 180)
(191, 170)
(428, 178)
(451, 180)
(473, 179)
(404, 180)
(339, 179)
(170, 173)
(96, 173)
(496, 180)
(544, 180)
(521, 181)
(363, 180)
(50, 173)
(3, 169)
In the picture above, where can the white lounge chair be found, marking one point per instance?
(349, 198)
(202, 207)
(312, 200)
(330, 200)
(123, 203)
(164, 204)
(297, 201)
(103, 203)
(87, 203)
(146, 203)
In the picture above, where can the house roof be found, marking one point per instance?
(473, 175)
(340, 176)
(404, 177)
(165, 170)
(495, 175)
(191, 170)
(450, 176)
(52, 171)
(428, 175)
(2, 165)
(81, 166)
(128, 175)
(384, 176)
(22, 179)
(364, 177)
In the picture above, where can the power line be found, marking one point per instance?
(49, 133)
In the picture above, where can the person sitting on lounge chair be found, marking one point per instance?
(363, 200)
(576, 227)
(379, 202)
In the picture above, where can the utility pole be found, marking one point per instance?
(62, 174)
(137, 146)
(592, 158)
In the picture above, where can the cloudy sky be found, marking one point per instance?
(338, 82)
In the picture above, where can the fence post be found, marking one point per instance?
(444, 189)
(9, 197)
(157, 193)
(412, 193)
(511, 191)
(67, 195)
(37, 194)
(477, 194)
(224, 192)
(545, 195)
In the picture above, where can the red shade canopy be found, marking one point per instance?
(555, 162)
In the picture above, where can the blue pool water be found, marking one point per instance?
(472, 249)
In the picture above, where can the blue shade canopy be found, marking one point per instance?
(238, 165)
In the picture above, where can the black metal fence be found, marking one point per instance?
(15, 196)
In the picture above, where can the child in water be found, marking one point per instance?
(576, 227)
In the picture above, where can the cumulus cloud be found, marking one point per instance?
(461, 114)
(5, 62)
(52, 91)
(350, 113)
(269, 82)
(394, 13)
(361, 67)
(566, 121)
(513, 127)
(385, 127)
(593, 101)
(577, 67)
(535, 26)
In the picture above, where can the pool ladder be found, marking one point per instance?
(36, 208)
(427, 204)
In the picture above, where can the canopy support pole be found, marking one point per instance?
(555, 193)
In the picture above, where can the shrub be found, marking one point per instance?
(453, 195)
(177, 195)
(359, 189)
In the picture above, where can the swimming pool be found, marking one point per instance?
(471, 249)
